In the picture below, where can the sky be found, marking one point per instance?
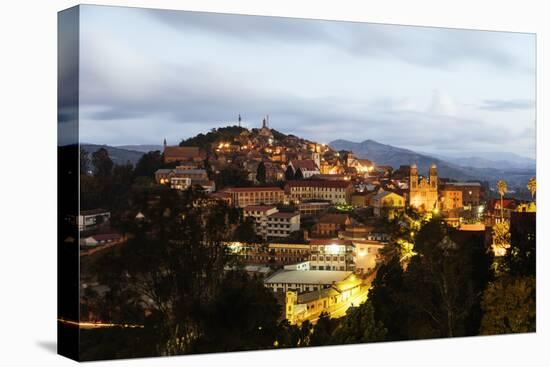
(146, 75)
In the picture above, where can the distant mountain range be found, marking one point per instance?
(119, 156)
(514, 169)
(141, 148)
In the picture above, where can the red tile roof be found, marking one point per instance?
(283, 215)
(255, 189)
(181, 152)
(320, 183)
(330, 242)
(305, 164)
(258, 208)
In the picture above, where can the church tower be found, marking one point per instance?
(433, 177)
(413, 182)
(164, 144)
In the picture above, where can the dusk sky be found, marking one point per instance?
(150, 74)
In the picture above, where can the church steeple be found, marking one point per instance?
(164, 144)
(239, 120)
(264, 123)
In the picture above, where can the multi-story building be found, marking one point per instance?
(330, 224)
(288, 253)
(471, 192)
(92, 219)
(182, 154)
(313, 208)
(331, 254)
(450, 198)
(180, 183)
(366, 255)
(387, 204)
(164, 175)
(423, 194)
(337, 192)
(269, 222)
(245, 196)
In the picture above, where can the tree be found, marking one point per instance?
(102, 163)
(260, 173)
(501, 234)
(386, 298)
(322, 332)
(509, 306)
(359, 326)
(242, 316)
(502, 188)
(84, 162)
(148, 164)
(298, 175)
(289, 173)
(532, 187)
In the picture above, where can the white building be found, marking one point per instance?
(270, 223)
(180, 183)
(331, 254)
(90, 219)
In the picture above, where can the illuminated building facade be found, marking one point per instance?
(332, 254)
(245, 196)
(423, 194)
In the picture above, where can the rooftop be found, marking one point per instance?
(258, 208)
(284, 215)
(255, 189)
(308, 276)
(320, 183)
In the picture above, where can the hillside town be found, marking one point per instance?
(321, 222)
(321, 218)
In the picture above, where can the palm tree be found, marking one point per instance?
(502, 188)
(532, 187)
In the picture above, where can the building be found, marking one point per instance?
(312, 208)
(471, 192)
(330, 224)
(245, 196)
(331, 254)
(367, 255)
(269, 222)
(164, 175)
(494, 213)
(304, 281)
(309, 305)
(101, 239)
(423, 195)
(337, 192)
(387, 204)
(450, 198)
(180, 183)
(308, 167)
(288, 253)
(92, 219)
(182, 154)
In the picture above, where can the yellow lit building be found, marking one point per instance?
(423, 192)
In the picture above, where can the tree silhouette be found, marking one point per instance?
(260, 173)
(102, 163)
(298, 175)
(502, 188)
(289, 173)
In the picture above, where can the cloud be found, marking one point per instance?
(422, 46)
(507, 105)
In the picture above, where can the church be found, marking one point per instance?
(423, 194)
